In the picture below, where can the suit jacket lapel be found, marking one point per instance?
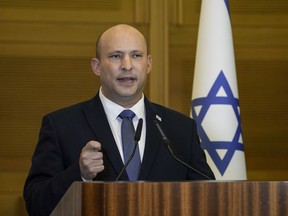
(153, 141)
(99, 124)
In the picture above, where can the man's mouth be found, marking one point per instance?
(126, 79)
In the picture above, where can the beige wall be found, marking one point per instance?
(45, 52)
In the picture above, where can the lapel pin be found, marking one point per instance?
(158, 118)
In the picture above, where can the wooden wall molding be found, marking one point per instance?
(83, 4)
(142, 12)
(159, 47)
(176, 12)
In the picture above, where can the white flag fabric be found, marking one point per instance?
(215, 100)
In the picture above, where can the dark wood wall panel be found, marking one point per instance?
(45, 52)
(31, 87)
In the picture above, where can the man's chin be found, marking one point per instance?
(127, 92)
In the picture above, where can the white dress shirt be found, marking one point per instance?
(112, 111)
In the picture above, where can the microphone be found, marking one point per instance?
(137, 137)
(167, 144)
(138, 131)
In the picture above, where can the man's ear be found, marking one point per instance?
(95, 64)
(149, 61)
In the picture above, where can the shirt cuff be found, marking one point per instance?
(86, 180)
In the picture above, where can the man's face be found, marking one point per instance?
(123, 65)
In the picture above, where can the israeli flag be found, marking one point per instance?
(215, 100)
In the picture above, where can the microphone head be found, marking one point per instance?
(138, 130)
(162, 133)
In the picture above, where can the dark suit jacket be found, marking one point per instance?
(55, 163)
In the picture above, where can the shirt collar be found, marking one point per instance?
(112, 109)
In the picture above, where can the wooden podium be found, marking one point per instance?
(175, 198)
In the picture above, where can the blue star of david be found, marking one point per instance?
(206, 102)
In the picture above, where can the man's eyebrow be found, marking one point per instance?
(123, 51)
(138, 51)
(116, 51)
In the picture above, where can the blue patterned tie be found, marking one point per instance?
(127, 135)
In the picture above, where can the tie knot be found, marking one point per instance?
(127, 114)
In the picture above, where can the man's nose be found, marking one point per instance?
(127, 64)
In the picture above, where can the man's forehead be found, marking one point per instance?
(123, 44)
(122, 38)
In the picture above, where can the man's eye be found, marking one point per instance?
(137, 55)
(116, 56)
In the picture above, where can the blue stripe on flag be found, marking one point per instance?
(227, 6)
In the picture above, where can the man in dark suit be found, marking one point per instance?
(83, 142)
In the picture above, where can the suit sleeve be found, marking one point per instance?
(48, 178)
